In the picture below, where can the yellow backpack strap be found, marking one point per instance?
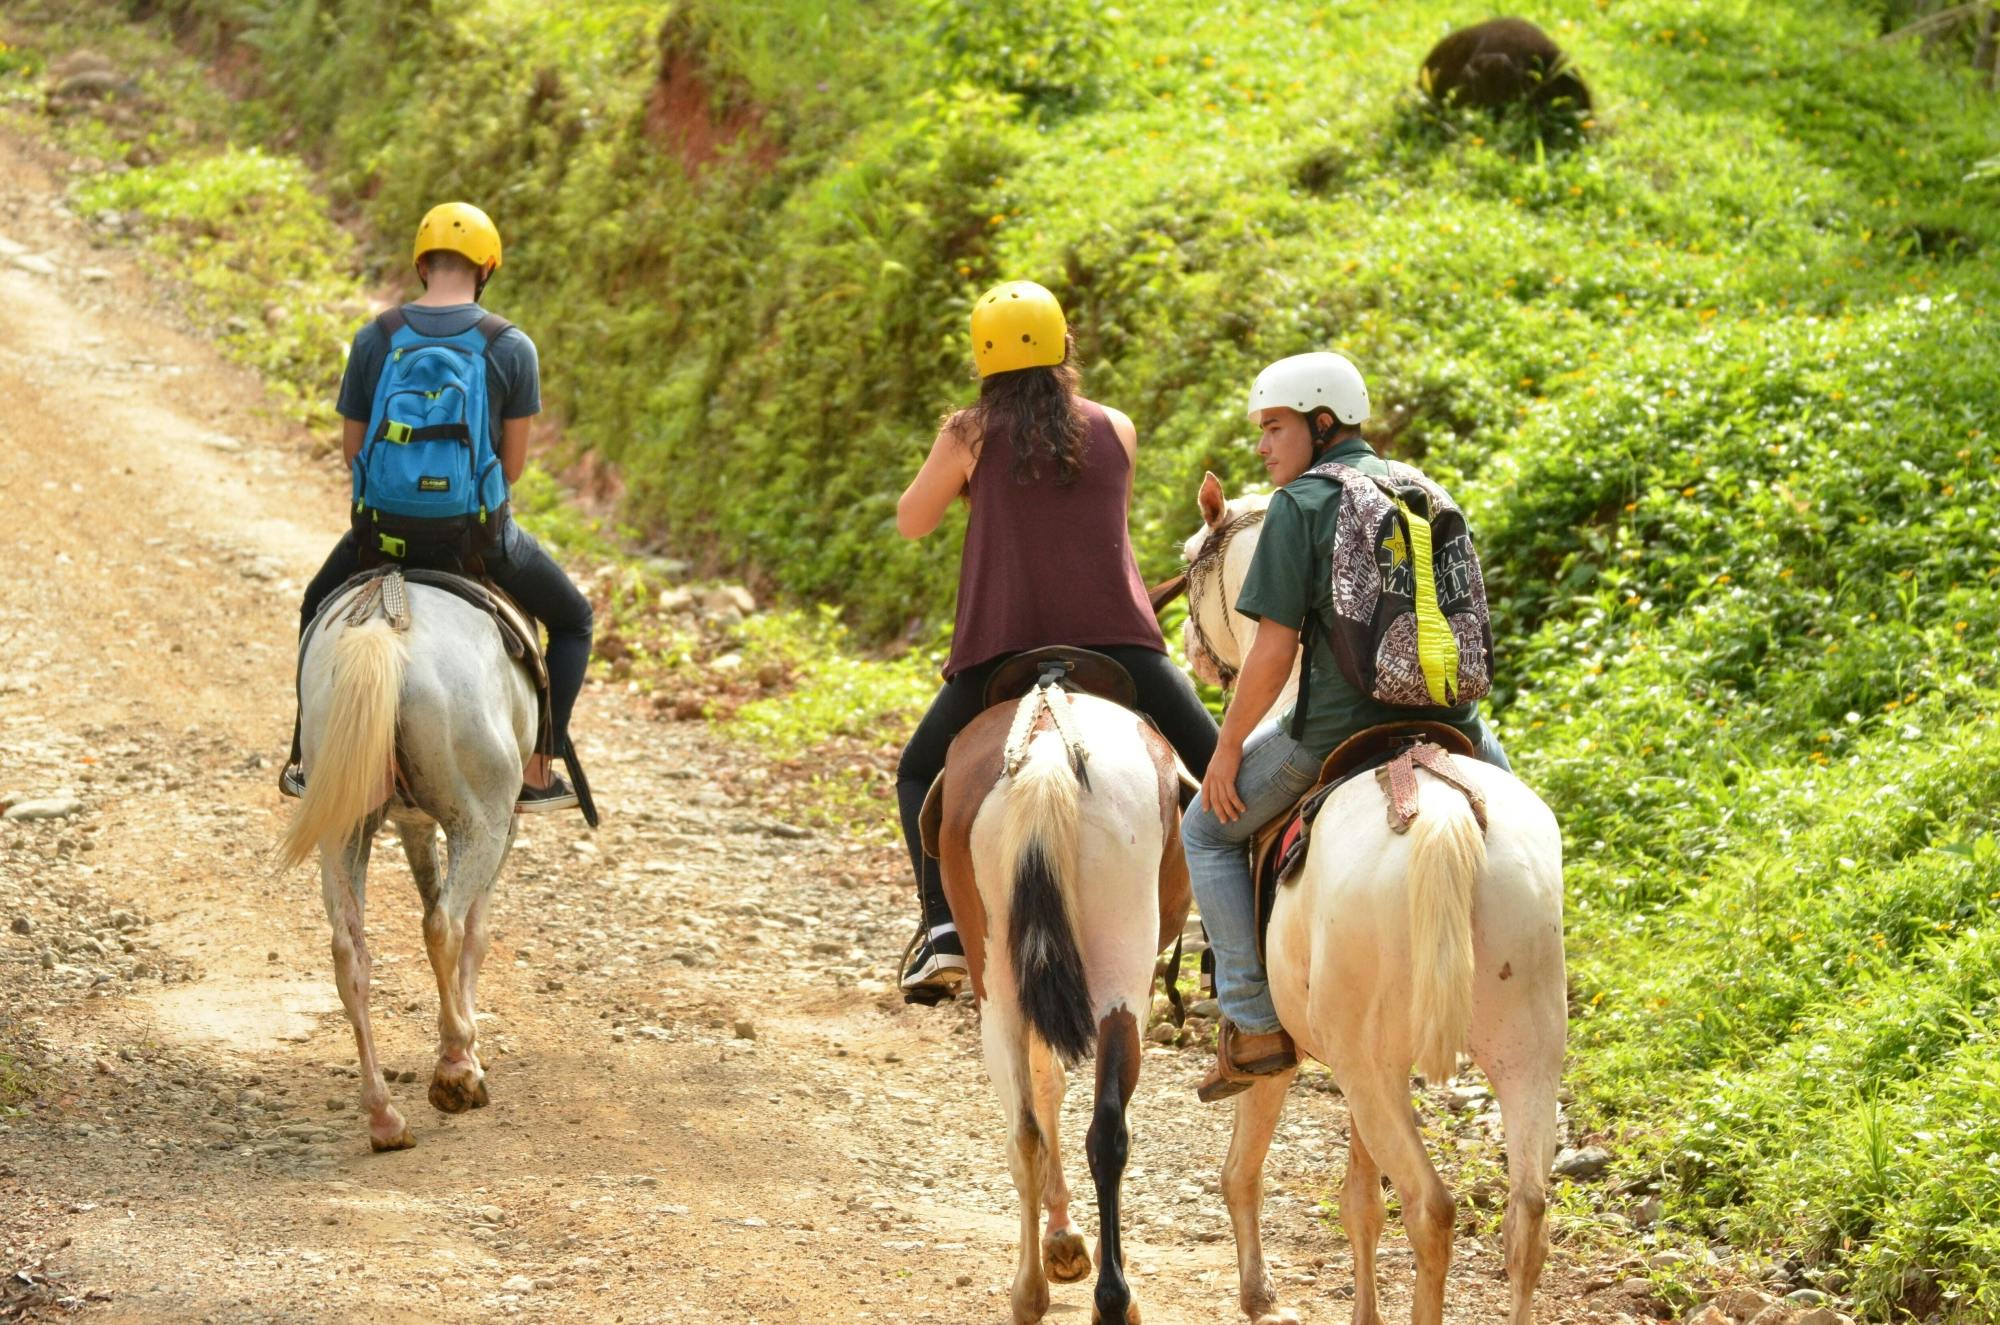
(1437, 649)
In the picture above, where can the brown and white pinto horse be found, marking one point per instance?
(1064, 894)
(1389, 952)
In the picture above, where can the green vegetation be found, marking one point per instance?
(17, 1085)
(1717, 384)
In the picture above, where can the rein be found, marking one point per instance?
(1207, 567)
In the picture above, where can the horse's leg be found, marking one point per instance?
(476, 850)
(478, 930)
(1379, 1108)
(1065, 1256)
(1257, 1111)
(1109, 1145)
(1362, 1214)
(1528, 1114)
(1520, 1021)
(420, 843)
(343, 876)
(1005, 1037)
(472, 956)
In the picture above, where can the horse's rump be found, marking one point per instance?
(974, 770)
(440, 700)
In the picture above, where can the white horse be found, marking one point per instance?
(428, 727)
(1389, 952)
(1064, 894)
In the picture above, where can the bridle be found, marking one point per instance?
(1206, 567)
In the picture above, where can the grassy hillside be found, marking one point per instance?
(1719, 387)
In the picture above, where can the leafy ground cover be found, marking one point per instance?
(1716, 382)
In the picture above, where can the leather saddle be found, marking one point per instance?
(1077, 670)
(1279, 847)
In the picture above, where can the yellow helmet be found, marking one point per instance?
(463, 229)
(1017, 325)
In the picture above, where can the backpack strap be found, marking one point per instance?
(491, 326)
(1336, 472)
(402, 433)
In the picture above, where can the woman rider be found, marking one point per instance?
(1047, 560)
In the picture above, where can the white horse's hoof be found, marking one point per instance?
(1279, 1316)
(1065, 1258)
(459, 1091)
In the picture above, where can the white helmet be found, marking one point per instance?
(1309, 382)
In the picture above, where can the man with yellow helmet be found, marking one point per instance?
(456, 252)
(1047, 560)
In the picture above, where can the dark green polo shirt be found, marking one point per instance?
(1292, 574)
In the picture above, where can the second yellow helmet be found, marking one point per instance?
(1018, 325)
(461, 228)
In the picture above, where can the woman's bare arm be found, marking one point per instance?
(945, 473)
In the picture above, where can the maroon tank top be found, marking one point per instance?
(1050, 564)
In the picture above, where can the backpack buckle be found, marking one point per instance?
(396, 432)
(392, 546)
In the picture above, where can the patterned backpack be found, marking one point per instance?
(1409, 626)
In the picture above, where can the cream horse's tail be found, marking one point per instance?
(1447, 856)
(1039, 829)
(357, 750)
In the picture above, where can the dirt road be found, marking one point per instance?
(708, 1104)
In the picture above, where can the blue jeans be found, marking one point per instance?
(1276, 771)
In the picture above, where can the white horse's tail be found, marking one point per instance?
(356, 766)
(1039, 828)
(1447, 855)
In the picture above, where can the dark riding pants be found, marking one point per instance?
(1165, 695)
(531, 578)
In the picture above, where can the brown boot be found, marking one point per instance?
(1240, 1059)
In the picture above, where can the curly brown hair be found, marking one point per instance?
(1038, 410)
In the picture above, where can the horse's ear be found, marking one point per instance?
(1211, 499)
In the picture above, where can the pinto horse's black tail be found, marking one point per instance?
(1038, 853)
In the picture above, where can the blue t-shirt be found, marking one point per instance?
(513, 370)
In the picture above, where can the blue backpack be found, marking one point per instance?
(427, 480)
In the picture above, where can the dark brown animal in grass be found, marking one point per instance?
(1500, 63)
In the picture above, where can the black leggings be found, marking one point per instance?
(532, 578)
(1165, 695)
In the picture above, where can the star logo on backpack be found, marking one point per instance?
(1396, 547)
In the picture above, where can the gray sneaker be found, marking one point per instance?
(556, 796)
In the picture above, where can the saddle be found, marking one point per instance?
(1393, 750)
(1072, 669)
(380, 588)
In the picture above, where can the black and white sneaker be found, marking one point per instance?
(292, 782)
(556, 796)
(933, 965)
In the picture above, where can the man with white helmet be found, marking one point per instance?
(1309, 409)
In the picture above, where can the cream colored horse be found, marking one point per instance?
(1064, 894)
(1390, 952)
